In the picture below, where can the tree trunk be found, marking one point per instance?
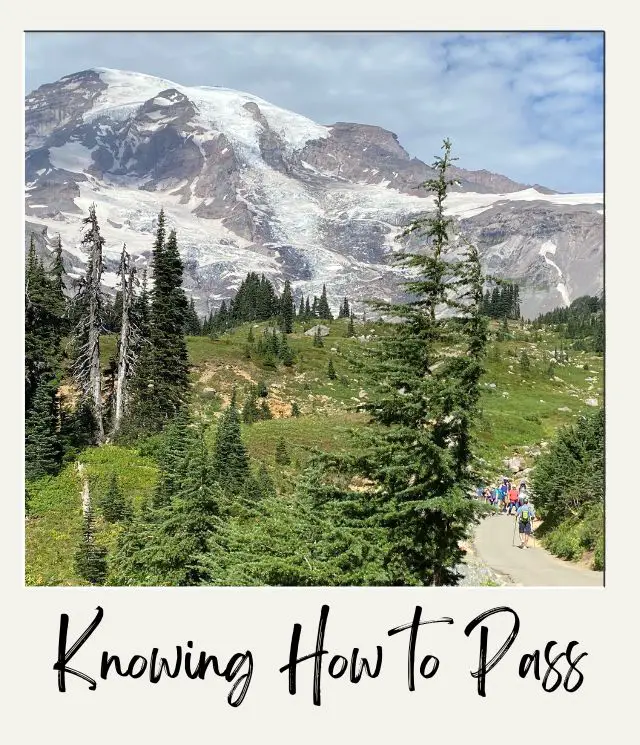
(125, 344)
(95, 379)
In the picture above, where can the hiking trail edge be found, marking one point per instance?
(527, 567)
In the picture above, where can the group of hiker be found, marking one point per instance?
(511, 500)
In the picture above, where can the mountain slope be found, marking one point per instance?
(250, 186)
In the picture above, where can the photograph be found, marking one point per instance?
(314, 309)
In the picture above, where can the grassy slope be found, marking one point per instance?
(521, 411)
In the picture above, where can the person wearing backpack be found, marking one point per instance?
(524, 517)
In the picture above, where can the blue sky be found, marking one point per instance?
(527, 105)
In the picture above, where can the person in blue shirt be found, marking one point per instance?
(524, 517)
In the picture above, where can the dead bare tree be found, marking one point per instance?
(88, 301)
(127, 343)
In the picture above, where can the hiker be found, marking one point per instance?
(500, 499)
(525, 515)
(504, 491)
(513, 500)
(522, 493)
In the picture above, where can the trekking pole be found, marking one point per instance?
(515, 525)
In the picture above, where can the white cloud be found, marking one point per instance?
(526, 104)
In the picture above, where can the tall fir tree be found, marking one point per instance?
(351, 331)
(58, 282)
(42, 445)
(177, 442)
(423, 400)
(113, 504)
(162, 545)
(230, 459)
(323, 309)
(193, 326)
(331, 372)
(44, 325)
(162, 382)
(250, 411)
(287, 309)
(90, 557)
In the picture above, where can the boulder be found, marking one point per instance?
(591, 402)
(324, 330)
(513, 464)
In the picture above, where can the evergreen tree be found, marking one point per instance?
(423, 400)
(323, 310)
(42, 446)
(141, 309)
(331, 373)
(90, 558)
(177, 443)
(301, 313)
(282, 454)
(43, 326)
(265, 411)
(351, 331)
(162, 381)
(295, 409)
(265, 483)
(186, 525)
(230, 460)
(307, 309)
(285, 352)
(317, 339)
(525, 363)
(250, 337)
(112, 504)
(58, 282)
(250, 411)
(287, 309)
(344, 311)
(192, 325)
(314, 307)
(163, 546)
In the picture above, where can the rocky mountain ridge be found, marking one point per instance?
(250, 186)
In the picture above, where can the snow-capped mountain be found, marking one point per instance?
(250, 186)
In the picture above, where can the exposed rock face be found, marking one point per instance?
(252, 187)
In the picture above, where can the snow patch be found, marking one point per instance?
(72, 156)
(548, 247)
(220, 108)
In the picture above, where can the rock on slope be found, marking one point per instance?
(250, 186)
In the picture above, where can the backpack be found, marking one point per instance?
(524, 515)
